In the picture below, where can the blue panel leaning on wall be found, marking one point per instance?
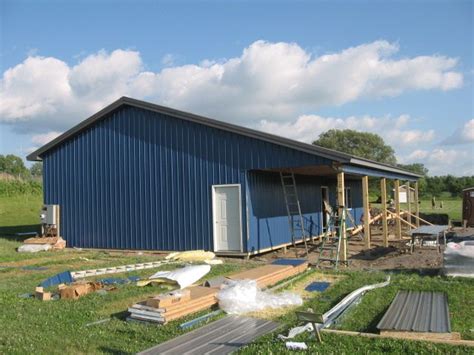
(142, 180)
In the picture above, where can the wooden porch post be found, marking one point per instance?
(383, 192)
(365, 201)
(417, 206)
(409, 203)
(341, 200)
(398, 223)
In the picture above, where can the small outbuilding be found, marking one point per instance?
(403, 193)
(146, 177)
(468, 207)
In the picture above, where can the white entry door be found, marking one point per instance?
(227, 218)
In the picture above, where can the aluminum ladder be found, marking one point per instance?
(332, 244)
(293, 209)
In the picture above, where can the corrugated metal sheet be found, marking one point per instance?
(142, 180)
(418, 312)
(220, 337)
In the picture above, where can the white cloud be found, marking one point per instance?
(457, 162)
(272, 81)
(168, 60)
(41, 139)
(307, 128)
(462, 135)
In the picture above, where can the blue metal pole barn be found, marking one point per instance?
(145, 177)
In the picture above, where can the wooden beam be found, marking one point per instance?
(419, 219)
(398, 224)
(417, 205)
(341, 200)
(383, 192)
(401, 219)
(409, 202)
(373, 335)
(365, 201)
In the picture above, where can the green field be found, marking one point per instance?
(32, 326)
(451, 206)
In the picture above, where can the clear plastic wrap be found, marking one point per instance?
(243, 296)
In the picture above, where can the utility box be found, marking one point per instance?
(468, 207)
(50, 215)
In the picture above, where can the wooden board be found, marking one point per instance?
(259, 272)
(372, 335)
(421, 335)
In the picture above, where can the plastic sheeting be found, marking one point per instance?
(243, 296)
(183, 277)
(34, 248)
(293, 345)
(459, 259)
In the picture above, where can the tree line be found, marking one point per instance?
(372, 146)
(14, 166)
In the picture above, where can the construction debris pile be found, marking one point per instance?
(35, 244)
(173, 305)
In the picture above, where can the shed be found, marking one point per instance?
(468, 206)
(402, 193)
(141, 176)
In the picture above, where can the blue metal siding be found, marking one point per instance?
(142, 180)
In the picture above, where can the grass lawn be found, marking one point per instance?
(452, 206)
(32, 326)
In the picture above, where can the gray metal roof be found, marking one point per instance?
(417, 312)
(308, 148)
(220, 337)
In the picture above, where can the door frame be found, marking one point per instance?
(214, 233)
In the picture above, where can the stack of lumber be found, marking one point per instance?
(163, 308)
(269, 274)
(167, 307)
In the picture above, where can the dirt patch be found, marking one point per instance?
(395, 256)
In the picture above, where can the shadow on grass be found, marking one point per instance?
(9, 232)
(374, 253)
(108, 350)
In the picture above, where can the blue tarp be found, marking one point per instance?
(62, 278)
(317, 286)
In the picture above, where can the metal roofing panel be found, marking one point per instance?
(417, 312)
(220, 337)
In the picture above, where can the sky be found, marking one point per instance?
(401, 69)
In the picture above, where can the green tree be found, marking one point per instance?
(417, 168)
(36, 169)
(362, 144)
(13, 165)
